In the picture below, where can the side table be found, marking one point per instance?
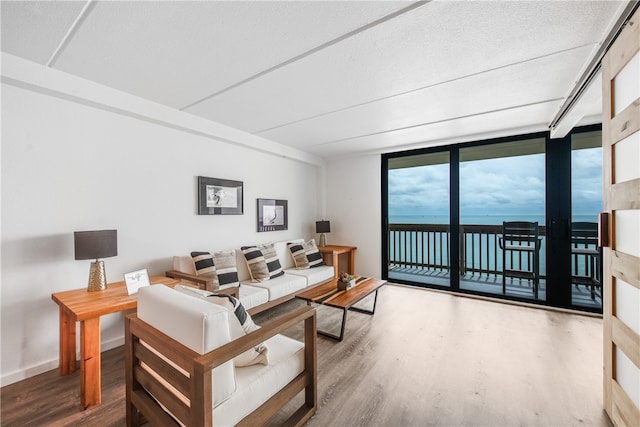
(85, 307)
(333, 253)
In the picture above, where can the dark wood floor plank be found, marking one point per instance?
(424, 358)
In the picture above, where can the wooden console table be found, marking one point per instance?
(334, 251)
(85, 307)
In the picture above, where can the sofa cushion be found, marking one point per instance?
(281, 286)
(195, 323)
(256, 263)
(240, 323)
(271, 259)
(252, 296)
(257, 383)
(314, 275)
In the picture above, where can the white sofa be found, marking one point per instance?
(257, 297)
(181, 366)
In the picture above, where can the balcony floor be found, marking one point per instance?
(492, 284)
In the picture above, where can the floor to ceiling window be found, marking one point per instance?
(419, 217)
(494, 218)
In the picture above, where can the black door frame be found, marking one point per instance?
(557, 215)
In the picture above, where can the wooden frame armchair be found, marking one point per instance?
(154, 400)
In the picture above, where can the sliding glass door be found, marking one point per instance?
(503, 183)
(511, 218)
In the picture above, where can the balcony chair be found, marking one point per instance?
(584, 244)
(520, 237)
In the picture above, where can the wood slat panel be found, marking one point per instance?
(621, 195)
(171, 375)
(625, 122)
(161, 394)
(625, 267)
(624, 411)
(626, 340)
(151, 410)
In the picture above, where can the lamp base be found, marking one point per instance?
(323, 240)
(97, 277)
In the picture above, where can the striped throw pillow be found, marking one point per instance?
(256, 263)
(226, 269)
(203, 262)
(299, 255)
(313, 254)
(271, 258)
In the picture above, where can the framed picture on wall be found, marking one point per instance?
(219, 196)
(272, 215)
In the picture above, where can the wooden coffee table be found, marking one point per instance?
(329, 295)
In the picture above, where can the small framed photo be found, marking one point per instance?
(272, 215)
(219, 196)
(136, 280)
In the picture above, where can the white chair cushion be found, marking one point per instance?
(257, 383)
(195, 323)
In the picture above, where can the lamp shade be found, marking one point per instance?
(323, 227)
(95, 244)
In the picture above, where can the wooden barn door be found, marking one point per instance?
(621, 193)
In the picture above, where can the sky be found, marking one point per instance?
(503, 186)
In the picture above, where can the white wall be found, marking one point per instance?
(70, 166)
(353, 207)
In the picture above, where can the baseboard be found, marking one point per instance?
(32, 371)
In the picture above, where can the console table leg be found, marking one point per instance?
(67, 354)
(90, 393)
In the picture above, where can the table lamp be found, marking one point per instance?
(323, 227)
(95, 245)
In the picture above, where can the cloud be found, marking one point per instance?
(510, 185)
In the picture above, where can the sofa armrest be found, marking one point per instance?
(203, 281)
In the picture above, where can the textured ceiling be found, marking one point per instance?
(329, 78)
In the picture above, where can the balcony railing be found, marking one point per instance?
(427, 246)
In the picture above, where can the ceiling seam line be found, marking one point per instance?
(384, 98)
(70, 33)
(312, 51)
(466, 116)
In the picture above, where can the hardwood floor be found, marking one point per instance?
(424, 358)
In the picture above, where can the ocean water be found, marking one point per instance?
(490, 219)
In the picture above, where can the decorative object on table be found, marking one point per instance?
(321, 228)
(346, 281)
(136, 280)
(219, 196)
(272, 215)
(95, 245)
